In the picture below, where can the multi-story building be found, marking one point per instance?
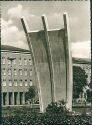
(16, 75)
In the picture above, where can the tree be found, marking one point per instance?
(31, 94)
(79, 81)
(89, 93)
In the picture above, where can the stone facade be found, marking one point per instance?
(16, 75)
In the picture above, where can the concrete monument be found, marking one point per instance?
(50, 51)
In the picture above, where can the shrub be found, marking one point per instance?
(56, 114)
(57, 107)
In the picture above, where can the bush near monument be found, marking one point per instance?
(52, 116)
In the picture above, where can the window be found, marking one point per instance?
(20, 62)
(30, 62)
(9, 62)
(4, 82)
(20, 71)
(15, 72)
(30, 72)
(9, 72)
(21, 82)
(25, 71)
(30, 82)
(26, 83)
(14, 62)
(15, 82)
(3, 60)
(4, 72)
(25, 61)
(10, 82)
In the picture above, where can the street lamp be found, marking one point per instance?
(11, 60)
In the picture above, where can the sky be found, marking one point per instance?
(13, 34)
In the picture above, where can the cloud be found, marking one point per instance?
(11, 35)
(6, 23)
(18, 12)
(81, 49)
(15, 12)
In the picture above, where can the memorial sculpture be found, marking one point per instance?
(52, 61)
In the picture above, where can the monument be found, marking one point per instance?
(52, 61)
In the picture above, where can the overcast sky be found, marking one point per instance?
(12, 32)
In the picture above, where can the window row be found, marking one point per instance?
(15, 61)
(16, 83)
(15, 72)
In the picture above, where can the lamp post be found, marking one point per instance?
(11, 59)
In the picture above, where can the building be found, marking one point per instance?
(16, 75)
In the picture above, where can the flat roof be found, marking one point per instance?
(6, 48)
